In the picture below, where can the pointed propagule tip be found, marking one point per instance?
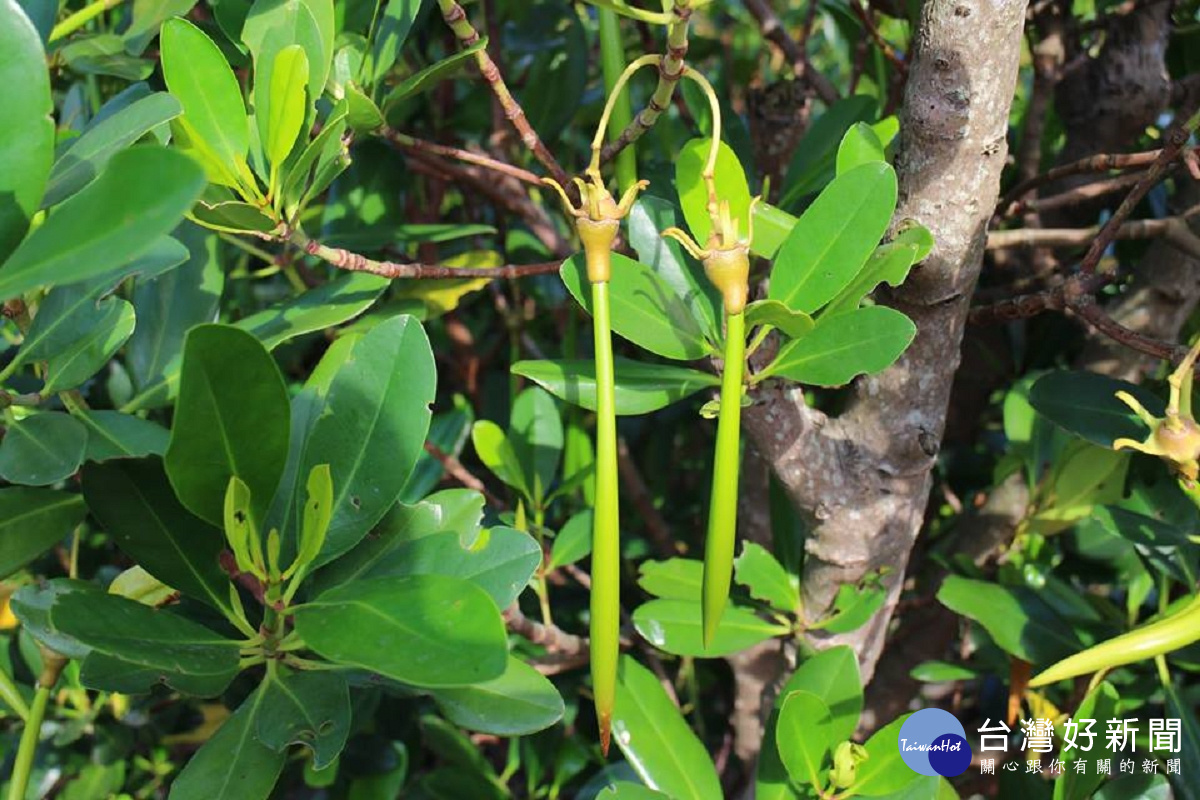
(605, 732)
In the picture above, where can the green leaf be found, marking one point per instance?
(31, 605)
(233, 216)
(656, 739)
(812, 165)
(1085, 404)
(198, 75)
(425, 630)
(673, 579)
(273, 25)
(890, 264)
(104, 54)
(647, 219)
(860, 145)
(519, 702)
(941, 672)
(287, 107)
(363, 115)
(140, 196)
(134, 502)
(26, 126)
(31, 521)
(803, 737)
(644, 308)
(1100, 704)
(833, 238)
(676, 627)
(112, 434)
(1021, 622)
(854, 605)
(321, 151)
(42, 449)
(536, 434)
(188, 656)
(389, 36)
(449, 432)
(765, 577)
(573, 542)
(839, 348)
(640, 388)
(232, 419)
(305, 708)
(496, 452)
(327, 306)
(83, 339)
(422, 80)
(86, 156)
(793, 324)
(730, 180)
(233, 764)
(624, 790)
(372, 428)
(884, 770)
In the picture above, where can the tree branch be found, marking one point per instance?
(773, 31)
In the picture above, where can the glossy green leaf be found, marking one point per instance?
(624, 790)
(317, 155)
(676, 627)
(372, 428)
(941, 672)
(644, 308)
(573, 542)
(233, 216)
(834, 237)
(647, 219)
(854, 605)
(198, 75)
(1086, 405)
(42, 449)
(890, 264)
(134, 502)
(536, 434)
(186, 655)
(272, 25)
(813, 163)
(87, 156)
(427, 77)
(494, 449)
(168, 307)
(425, 630)
(765, 577)
(693, 194)
(287, 107)
(792, 324)
(803, 737)
(112, 434)
(233, 764)
(656, 739)
(389, 36)
(26, 127)
(363, 115)
(231, 420)
(140, 196)
(31, 605)
(861, 145)
(304, 708)
(640, 388)
(1021, 622)
(674, 579)
(839, 348)
(1099, 704)
(104, 54)
(519, 702)
(31, 521)
(884, 771)
(327, 306)
(77, 340)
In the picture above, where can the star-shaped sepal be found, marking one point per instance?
(726, 256)
(1175, 438)
(597, 219)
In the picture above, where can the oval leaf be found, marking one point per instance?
(841, 347)
(676, 626)
(802, 737)
(640, 388)
(31, 521)
(42, 449)
(519, 702)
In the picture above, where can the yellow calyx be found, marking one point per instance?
(726, 258)
(1175, 438)
(597, 219)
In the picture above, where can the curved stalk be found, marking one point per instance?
(722, 513)
(710, 167)
(23, 765)
(605, 626)
(612, 59)
(613, 95)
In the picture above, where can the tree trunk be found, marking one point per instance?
(861, 480)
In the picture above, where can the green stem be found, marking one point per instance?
(722, 513)
(612, 59)
(82, 17)
(606, 548)
(12, 697)
(23, 765)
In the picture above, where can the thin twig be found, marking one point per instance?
(467, 36)
(411, 143)
(864, 16)
(1173, 228)
(553, 638)
(460, 473)
(1075, 196)
(772, 30)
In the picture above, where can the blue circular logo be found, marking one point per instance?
(933, 742)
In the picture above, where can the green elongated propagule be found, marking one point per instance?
(597, 220)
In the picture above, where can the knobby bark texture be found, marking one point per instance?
(861, 480)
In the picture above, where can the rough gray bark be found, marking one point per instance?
(861, 480)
